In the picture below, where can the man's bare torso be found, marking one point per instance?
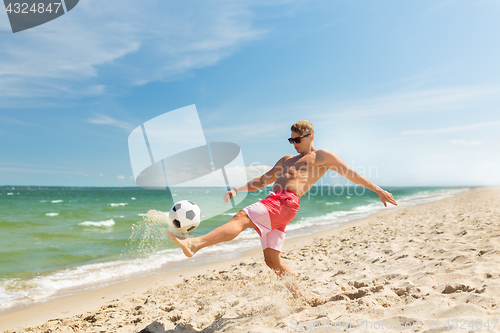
(299, 173)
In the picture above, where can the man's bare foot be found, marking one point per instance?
(184, 243)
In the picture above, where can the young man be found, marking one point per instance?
(293, 176)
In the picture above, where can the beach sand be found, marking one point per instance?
(423, 267)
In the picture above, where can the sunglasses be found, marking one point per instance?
(297, 140)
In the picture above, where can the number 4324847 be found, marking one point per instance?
(39, 8)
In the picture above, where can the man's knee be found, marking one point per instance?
(273, 263)
(242, 218)
(272, 259)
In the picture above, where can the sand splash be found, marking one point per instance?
(150, 234)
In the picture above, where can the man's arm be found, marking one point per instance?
(258, 182)
(332, 161)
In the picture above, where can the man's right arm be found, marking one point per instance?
(259, 182)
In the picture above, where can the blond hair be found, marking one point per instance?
(302, 127)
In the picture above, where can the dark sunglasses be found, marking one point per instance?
(297, 140)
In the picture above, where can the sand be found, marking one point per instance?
(425, 268)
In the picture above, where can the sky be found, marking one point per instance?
(406, 93)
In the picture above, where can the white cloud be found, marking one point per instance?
(247, 131)
(254, 171)
(121, 177)
(106, 120)
(40, 170)
(327, 112)
(213, 179)
(438, 99)
(122, 41)
(465, 143)
(439, 5)
(16, 122)
(454, 129)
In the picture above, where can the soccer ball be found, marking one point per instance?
(184, 216)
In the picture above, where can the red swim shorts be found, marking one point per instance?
(272, 215)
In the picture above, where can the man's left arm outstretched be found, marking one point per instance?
(333, 162)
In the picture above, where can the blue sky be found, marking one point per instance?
(406, 93)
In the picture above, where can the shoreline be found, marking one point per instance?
(150, 255)
(42, 312)
(71, 305)
(88, 301)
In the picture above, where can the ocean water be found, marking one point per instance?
(58, 241)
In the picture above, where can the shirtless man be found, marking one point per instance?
(293, 176)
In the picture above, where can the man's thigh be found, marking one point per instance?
(242, 218)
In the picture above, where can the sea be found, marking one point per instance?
(57, 241)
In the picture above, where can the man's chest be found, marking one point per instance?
(304, 166)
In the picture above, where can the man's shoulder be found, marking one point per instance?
(324, 152)
(287, 157)
(325, 156)
(283, 159)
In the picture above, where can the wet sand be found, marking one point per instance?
(403, 269)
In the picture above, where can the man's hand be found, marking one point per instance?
(229, 195)
(386, 197)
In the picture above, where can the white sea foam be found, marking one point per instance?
(142, 214)
(57, 201)
(107, 223)
(51, 214)
(132, 198)
(332, 203)
(428, 196)
(10, 193)
(308, 224)
(118, 204)
(15, 291)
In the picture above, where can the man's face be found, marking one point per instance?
(304, 142)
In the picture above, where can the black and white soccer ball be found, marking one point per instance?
(184, 216)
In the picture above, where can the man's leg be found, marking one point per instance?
(224, 233)
(274, 261)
